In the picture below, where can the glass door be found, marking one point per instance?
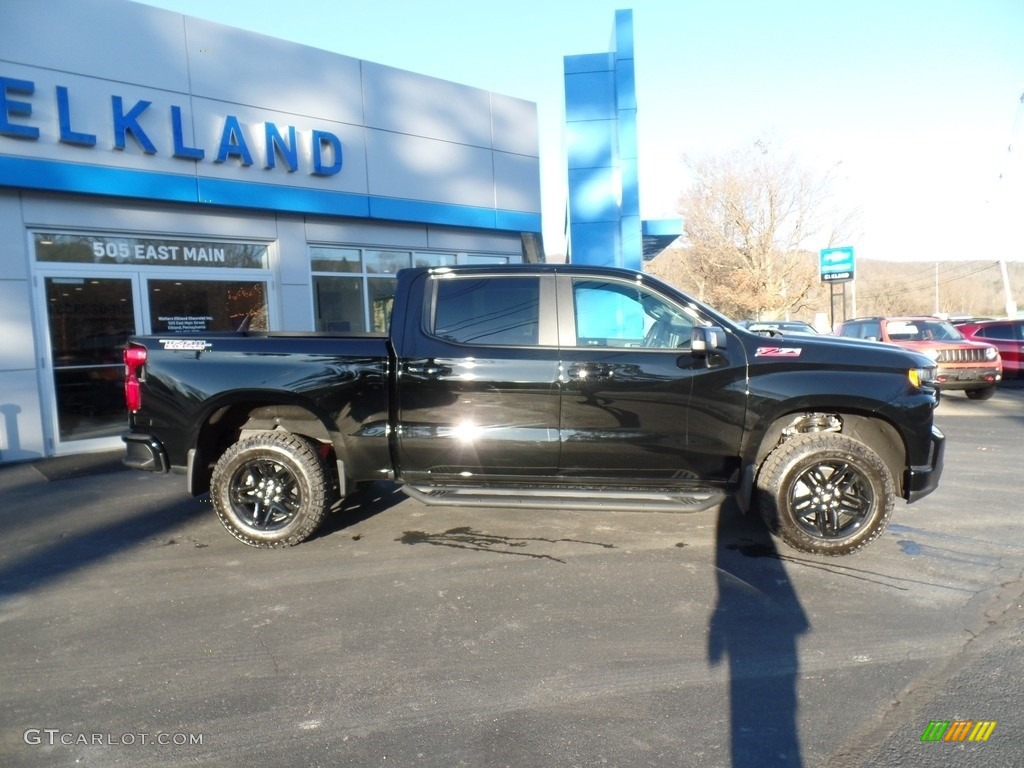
(89, 319)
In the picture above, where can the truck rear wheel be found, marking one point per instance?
(271, 489)
(825, 493)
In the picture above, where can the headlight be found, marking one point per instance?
(920, 377)
(932, 353)
(991, 353)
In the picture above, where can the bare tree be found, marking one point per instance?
(754, 219)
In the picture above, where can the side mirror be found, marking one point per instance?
(706, 339)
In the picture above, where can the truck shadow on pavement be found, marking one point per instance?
(360, 505)
(754, 629)
(78, 549)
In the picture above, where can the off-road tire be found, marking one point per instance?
(825, 493)
(271, 489)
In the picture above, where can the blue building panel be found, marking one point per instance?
(624, 34)
(596, 243)
(589, 62)
(625, 84)
(629, 176)
(601, 131)
(631, 243)
(32, 173)
(276, 198)
(593, 195)
(590, 96)
(431, 213)
(590, 144)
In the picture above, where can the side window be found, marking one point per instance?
(1003, 332)
(502, 311)
(614, 314)
(852, 330)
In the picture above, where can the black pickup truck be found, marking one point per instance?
(544, 386)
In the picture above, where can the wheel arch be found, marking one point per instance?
(224, 422)
(877, 433)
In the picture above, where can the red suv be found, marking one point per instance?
(972, 366)
(1006, 335)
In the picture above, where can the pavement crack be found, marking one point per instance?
(262, 643)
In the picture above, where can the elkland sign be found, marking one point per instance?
(131, 122)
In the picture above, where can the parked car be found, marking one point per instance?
(1006, 335)
(771, 327)
(971, 366)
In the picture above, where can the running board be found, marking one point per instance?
(626, 500)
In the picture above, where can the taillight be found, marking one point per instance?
(134, 358)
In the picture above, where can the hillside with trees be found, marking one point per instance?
(753, 220)
(956, 288)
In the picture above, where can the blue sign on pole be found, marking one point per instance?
(837, 264)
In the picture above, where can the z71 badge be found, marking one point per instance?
(778, 352)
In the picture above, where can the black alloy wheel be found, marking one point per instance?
(825, 493)
(271, 489)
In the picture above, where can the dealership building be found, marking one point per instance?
(175, 176)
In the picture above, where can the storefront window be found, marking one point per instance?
(339, 304)
(382, 297)
(433, 259)
(387, 262)
(363, 301)
(107, 249)
(336, 259)
(191, 306)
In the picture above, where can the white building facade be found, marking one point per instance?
(164, 174)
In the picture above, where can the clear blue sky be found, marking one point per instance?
(917, 100)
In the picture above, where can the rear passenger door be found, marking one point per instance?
(478, 391)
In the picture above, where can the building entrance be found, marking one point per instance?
(89, 319)
(96, 289)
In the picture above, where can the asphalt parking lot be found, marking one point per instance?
(135, 631)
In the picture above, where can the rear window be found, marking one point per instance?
(862, 330)
(501, 311)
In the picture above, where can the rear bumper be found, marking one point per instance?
(920, 481)
(144, 452)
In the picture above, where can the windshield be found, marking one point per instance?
(922, 330)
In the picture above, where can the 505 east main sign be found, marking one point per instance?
(232, 142)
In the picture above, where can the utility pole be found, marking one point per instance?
(1011, 305)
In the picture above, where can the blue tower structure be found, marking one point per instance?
(603, 216)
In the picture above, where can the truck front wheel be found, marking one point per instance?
(271, 489)
(825, 493)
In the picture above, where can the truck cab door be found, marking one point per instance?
(638, 400)
(477, 379)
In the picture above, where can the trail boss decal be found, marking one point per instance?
(778, 352)
(193, 344)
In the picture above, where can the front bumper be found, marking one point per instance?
(144, 452)
(968, 378)
(918, 482)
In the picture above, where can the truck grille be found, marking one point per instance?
(961, 356)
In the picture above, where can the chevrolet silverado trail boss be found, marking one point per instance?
(540, 386)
